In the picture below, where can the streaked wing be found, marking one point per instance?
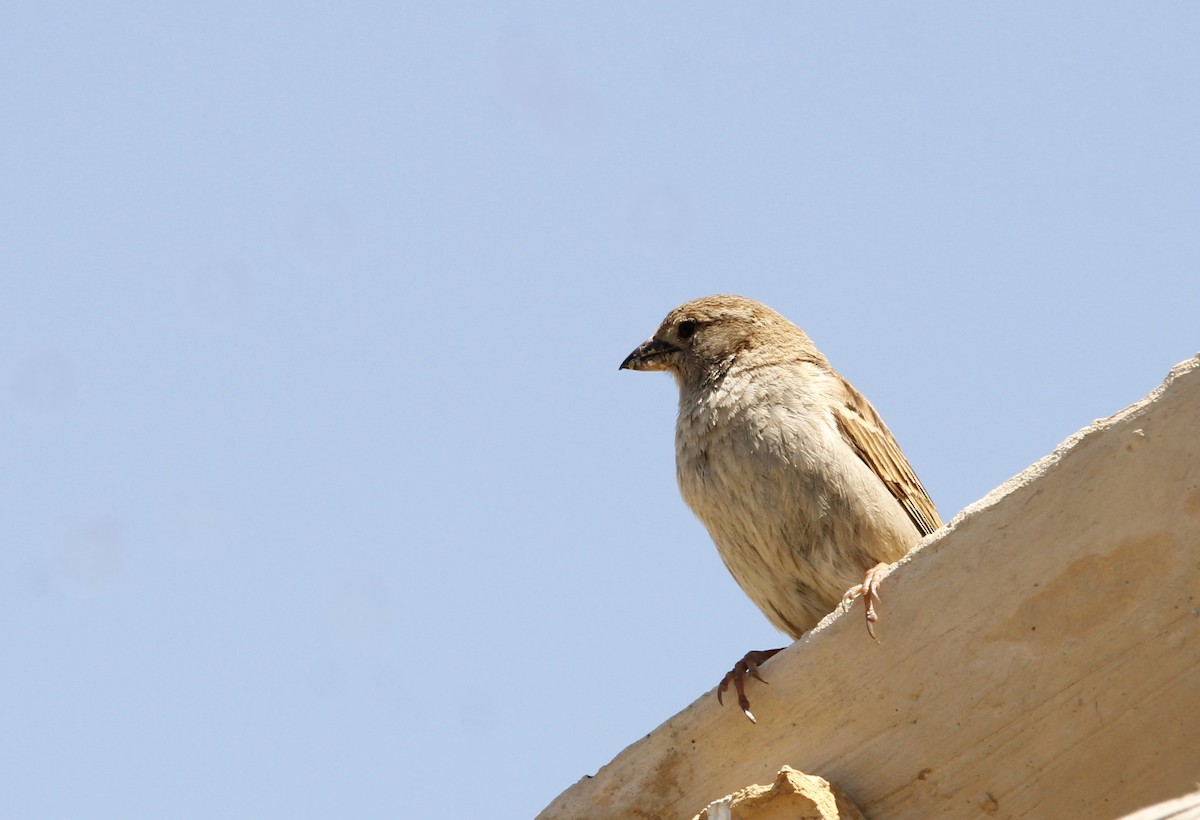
(875, 445)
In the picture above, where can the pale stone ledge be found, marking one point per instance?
(1038, 657)
(1181, 808)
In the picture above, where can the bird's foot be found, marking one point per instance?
(868, 590)
(748, 665)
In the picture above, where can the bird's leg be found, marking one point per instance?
(748, 665)
(868, 590)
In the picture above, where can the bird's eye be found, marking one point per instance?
(687, 328)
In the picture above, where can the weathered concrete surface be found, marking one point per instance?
(1038, 657)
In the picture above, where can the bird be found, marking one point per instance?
(798, 481)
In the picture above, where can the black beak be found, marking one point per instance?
(649, 355)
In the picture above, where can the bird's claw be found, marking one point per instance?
(868, 590)
(748, 665)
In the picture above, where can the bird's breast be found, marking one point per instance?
(792, 510)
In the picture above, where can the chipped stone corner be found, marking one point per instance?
(794, 794)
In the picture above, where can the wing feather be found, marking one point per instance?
(875, 445)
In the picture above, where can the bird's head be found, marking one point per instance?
(702, 339)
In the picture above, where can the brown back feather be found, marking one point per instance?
(875, 445)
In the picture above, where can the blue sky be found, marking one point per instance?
(322, 494)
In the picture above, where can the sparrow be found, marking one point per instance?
(801, 485)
